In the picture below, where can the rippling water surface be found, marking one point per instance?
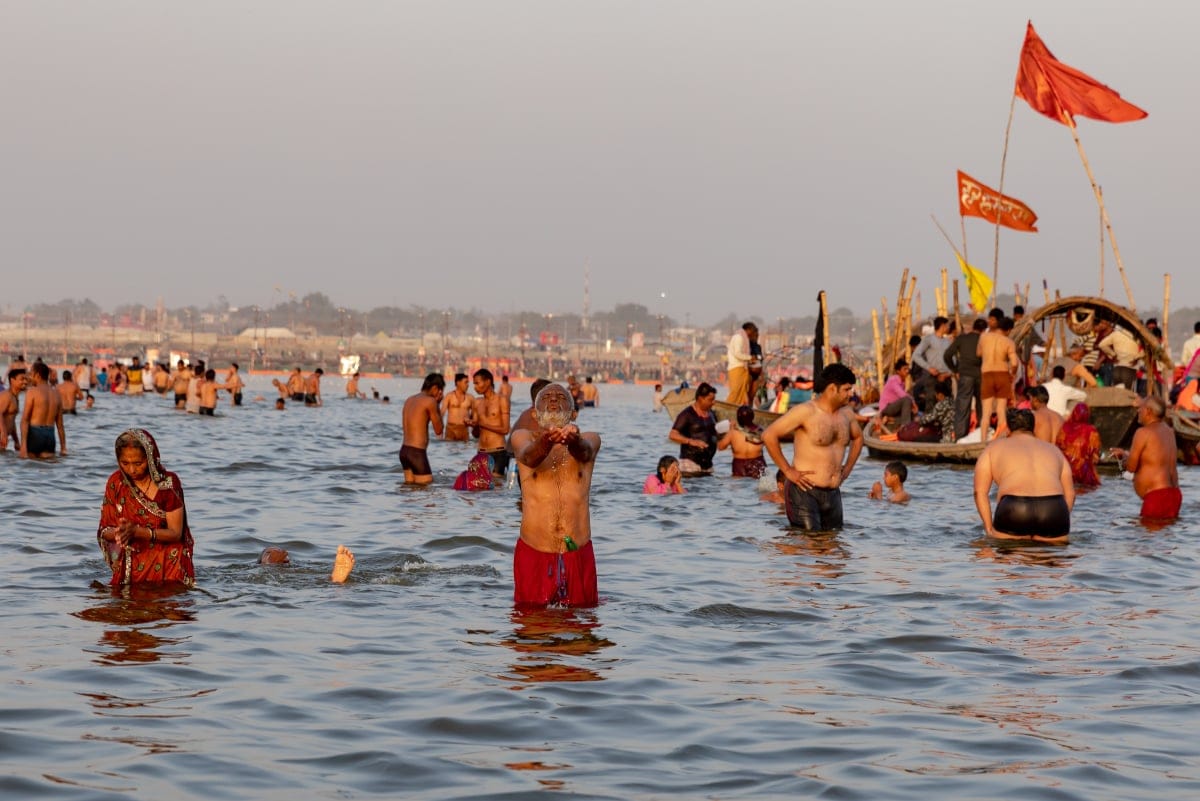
(902, 658)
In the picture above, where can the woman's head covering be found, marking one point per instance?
(1080, 414)
(477, 476)
(141, 438)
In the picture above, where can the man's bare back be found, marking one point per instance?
(997, 352)
(420, 411)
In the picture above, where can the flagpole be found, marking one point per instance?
(1112, 236)
(962, 224)
(1012, 108)
(1100, 219)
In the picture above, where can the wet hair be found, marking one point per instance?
(704, 390)
(664, 464)
(15, 372)
(485, 374)
(1039, 393)
(433, 380)
(273, 554)
(944, 388)
(833, 374)
(1156, 406)
(319, 371)
(980, 324)
(745, 416)
(537, 386)
(234, 365)
(459, 377)
(41, 370)
(210, 374)
(897, 469)
(279, 404)
(1018, 309)
(1019, 419)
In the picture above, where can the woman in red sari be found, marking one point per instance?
(1080, 443)
(143, 522)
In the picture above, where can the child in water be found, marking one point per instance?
(894, 476)
(777, 495)
(666, 480)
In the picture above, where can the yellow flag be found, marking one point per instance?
(978, 283)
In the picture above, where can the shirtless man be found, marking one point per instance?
(295, 386)
(208, 393)
(352, 390)
(590, 393)
(1152, 458)
(527, 418)
(421, 411)
(745, 440)
(459, 409)
(68, 393)
(180, 379)
(1034, 489)
(234, 384)
(505, 389)
(42, 415)
(998, 366)
(822, 429)
(18, 379)
(312, 388)
(554, 562)
(491, 421)
(1046, 422)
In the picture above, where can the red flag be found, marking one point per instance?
(977, 200)
(1052, 88)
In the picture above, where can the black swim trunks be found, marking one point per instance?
(1042, 516)
(500, 458)
(814, 509)
(415, 460)
(298, 397)
(41, 440)
(208, 410)
(237, 399)
(310, 399)
(180, 400)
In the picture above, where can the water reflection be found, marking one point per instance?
(543, 636)
(823, 557)
(141, 616)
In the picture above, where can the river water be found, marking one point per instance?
(902, 658)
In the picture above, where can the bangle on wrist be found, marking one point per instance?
(153, 536)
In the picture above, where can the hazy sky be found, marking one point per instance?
(737, 156)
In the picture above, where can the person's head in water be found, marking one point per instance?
(894, 475)
(274, 555)
(665, 464)
(745, 417)
(553, 406)
(279, 404)
(1019, 419)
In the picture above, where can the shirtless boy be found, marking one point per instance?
(234, 384)
(459, 408)
(421, 411)
(554, 562)
(894, 476)
(10, 406)
(491, 421)
(41, 417)
(180, 379)
(1152, 458)
(68, 393)
(312, 388)
(295, 385)
(822, 430)
(208, 393)
(998, 367)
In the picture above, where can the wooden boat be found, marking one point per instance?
(954, 452)
(1187, 434)
(677, 400)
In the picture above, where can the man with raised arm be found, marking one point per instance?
(822, 430)
(554, 562)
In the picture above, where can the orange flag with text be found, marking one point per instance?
(979, 200)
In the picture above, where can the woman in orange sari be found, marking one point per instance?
(1080, 443)
(143, 521)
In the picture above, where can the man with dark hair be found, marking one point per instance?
(458, 409)
(998, 367)
(930, 357)
(312, 388)
(695, 430)
(962, 357)
(10, 407)
(1046, 422)
(1152, 458)
(420, 411)
(822, 431)
(1059, 394)
(737, 363)
(491, 421)
(1034, 488)
(41, 417)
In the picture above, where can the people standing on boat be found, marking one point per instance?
(554, 562)
(998, 367)
(962, 357)
(420, 412)
(1122, 350)
(1079, 441)
(695, 429)
(1033, 339)
(1061, 394)
(143, 531)
(1189, 357)
(1152, 458)
(737, 364)
(1034, 490)
(823, 431)
(929, 356)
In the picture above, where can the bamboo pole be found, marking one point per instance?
(916, 317)
(887, 332)
(945, 292)
(1012, 107)
(939, 301)
(957, 319)
(962, 224)
(1101, 221)
(1107, 223)
(827, 351)
(1166, 315)
(878, 349)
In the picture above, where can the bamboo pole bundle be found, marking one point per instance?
(1166, 308)
(878, 349)
(827, 351)
(887, 323)
(957, 318)
(942, 310)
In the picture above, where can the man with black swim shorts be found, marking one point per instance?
(822, 430)
(1034, 489)
(420, 411)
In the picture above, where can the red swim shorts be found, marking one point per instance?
(996, 384)
(542, 579)
(1162, 504)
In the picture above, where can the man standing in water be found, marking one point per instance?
(458, 408)
(421, 411)
(491, 420)
(554, 562)
(1152, 458)
(41, 417)
(1034, 488)
(10, 407)
(822, 429)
